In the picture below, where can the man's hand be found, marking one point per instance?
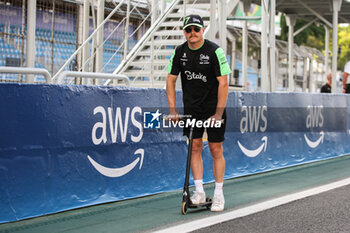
(173, 116)
(215, 118)
(171, 94)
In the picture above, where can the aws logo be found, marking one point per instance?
(314, 119)
(253, 120)
(117, 130)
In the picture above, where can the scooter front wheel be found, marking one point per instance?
(184, 208)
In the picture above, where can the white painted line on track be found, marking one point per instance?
(226, 216)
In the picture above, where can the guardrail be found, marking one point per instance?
(98, 145)
(88, 39)
(66, 74)
(26, 70)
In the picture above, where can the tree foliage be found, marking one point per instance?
(314, 36)
(344, 42)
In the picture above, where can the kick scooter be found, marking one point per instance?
(186, 197)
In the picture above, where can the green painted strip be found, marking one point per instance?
(244, 18)
(156, 211)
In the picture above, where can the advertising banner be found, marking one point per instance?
(66, 147)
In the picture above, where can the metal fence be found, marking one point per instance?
(58, 35)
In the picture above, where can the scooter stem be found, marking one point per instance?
(188, 165)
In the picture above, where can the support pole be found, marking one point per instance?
(232, 40)
(222, 24)
(326, 59)
(126, 29)
(154, 18)
(31, 19)
(304, 74)
(86, 50)
(163, 6)
(154, 14)
(212, 29)
(52, 35)
(233, 60)
(245, 8)
(99, 40)
(336, 8)
(264, 40)
(22, 33)
(311, 78)
(277, 70)
(290, 22)
(272, 37)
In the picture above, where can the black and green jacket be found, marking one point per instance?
(199, 70)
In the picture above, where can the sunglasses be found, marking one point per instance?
(189, 29)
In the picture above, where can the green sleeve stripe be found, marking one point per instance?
(224, 67)
(171, 62)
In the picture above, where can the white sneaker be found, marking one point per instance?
(198, 198)
(218, 203)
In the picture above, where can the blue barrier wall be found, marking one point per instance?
(64, 147)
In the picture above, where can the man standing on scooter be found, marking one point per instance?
(204, 69)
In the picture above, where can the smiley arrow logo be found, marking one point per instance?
(117, 172)
(315, 143)
(254, 153)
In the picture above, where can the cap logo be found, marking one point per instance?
(186, 20)
(196, 20)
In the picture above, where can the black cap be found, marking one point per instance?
(193, 20)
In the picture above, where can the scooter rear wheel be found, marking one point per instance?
(184, 208)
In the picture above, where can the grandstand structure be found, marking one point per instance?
(136, 38)
(58, 34)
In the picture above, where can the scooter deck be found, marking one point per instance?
(205, 204)
(187, 204)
